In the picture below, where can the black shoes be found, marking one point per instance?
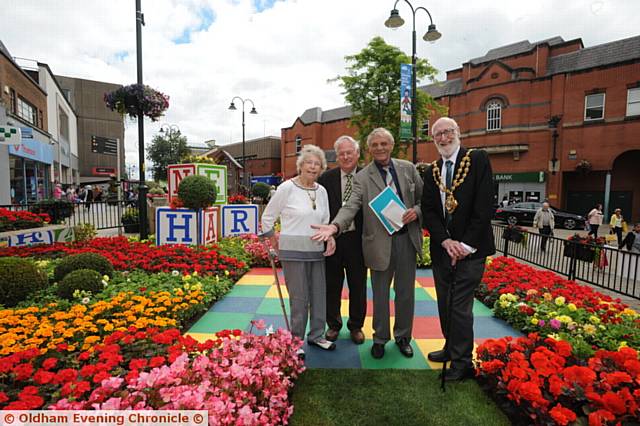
(377, 350)
(438, 356)
(405, 347)
(459, 374)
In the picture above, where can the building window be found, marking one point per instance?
(63, 119)
(594, 107)
(425, 128)
(633, 101)
(12, 101)
(298, 143)
(27, 112)
(494, 115)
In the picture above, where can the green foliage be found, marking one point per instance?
(425, 261)
(58, 210)
(166, 148)
(18, 279)
(199, 159)
(91, 261)
(197, 192)
(130, 216)
(234, 247)
(261, 189)
(80, 279)
(372, 88)
(84, 232)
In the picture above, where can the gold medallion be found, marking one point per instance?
(450, 203)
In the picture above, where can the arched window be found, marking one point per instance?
(494, 115)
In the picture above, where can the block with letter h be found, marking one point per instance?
(216, 173)
(239, 219)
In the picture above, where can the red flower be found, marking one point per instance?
(3, 397)
(23, 371)
(600, 418)
(613, 403)
(561, 415)
(49, 363)
(156, 361)
(99, 377)
(582, 376)
(43, 377)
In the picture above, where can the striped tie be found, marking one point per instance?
(348, 187)
(389, 179)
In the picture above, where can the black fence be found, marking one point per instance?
(603, 266)
(102, 215)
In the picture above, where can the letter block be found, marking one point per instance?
(31, 238)
(239, 219)
(175, 174)
(209, 225)
(176, 226)
(218, 174)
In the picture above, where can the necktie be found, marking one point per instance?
(449, 178)
(348, 187)
(389, 179)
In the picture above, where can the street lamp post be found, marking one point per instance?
(395, 21)
(232, 107)
(142, 188)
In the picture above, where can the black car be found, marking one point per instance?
(523, 213)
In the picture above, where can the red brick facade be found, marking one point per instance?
(534, 82)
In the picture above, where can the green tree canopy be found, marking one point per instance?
(372, 88)
(166, 148)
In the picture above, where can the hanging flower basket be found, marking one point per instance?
(137, 98)
(584, 166)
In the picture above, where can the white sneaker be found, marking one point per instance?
(300, 353)
(322, 344)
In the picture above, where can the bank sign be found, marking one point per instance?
(535, 177)
(31, 148)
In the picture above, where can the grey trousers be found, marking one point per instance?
(402, 269)
(306, 285)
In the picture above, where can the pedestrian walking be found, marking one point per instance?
(544, 221)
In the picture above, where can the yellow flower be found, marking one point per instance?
(226, 272)
(547, 296)
(594, 319)
(532, 291)
(630, 312)
(589, 329)
(559, 300)
(564, 319)
(572, 307)
(186, 277)
(623, 344)
(534, 321)
(106, 278)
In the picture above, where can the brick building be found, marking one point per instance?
(560, 121)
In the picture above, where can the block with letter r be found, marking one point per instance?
(209, 225)
(176, 226)
(239, 219)
(218, 174)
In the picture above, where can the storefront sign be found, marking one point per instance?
(31, 148)
(103, 171)
(536, 177)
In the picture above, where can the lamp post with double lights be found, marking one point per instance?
(395, 21)
(170, 130)
(232, 107)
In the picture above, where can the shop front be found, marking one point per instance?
(30, 165)
(519, 187)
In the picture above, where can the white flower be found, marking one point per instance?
(175, 273)
(269, 330)
(85, 300)
(104, 283)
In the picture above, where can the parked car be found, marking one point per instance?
(523, 213)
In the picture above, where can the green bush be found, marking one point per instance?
(91, 261)
(18, 279)
(130, 216)
(80, 279)
(84, 232)
(58, 210)
(261, 189)
(197, 192)
(425, 262)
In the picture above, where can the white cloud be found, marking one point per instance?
(281, 57)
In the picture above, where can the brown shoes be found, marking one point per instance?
(332, 335)
(357, 336)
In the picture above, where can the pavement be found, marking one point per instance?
(255, 297)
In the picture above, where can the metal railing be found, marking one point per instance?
(603, 266)
(102, 214)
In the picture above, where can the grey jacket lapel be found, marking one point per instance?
(402, 179)
(375, 176)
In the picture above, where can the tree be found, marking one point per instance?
(165, 149)
(372, 88)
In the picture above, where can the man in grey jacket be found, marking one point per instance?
(544, 222)
(390, 257)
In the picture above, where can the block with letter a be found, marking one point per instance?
(175, 174)
(239, 219)
(209, 225)
(176, 226)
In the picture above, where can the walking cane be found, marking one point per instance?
(448, 325)
(272, 260)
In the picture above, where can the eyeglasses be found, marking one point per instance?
(312, 163)
(445, 132)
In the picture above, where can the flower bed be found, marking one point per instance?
(11, 220)
(580, 359)
(548, 385)
(153, 369)
(126, 255)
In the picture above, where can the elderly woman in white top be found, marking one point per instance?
(299, 203)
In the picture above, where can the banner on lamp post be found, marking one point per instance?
(406, 108)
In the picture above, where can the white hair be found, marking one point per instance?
(308, 150)
(343, 138)
(380, 131)
(448, 120)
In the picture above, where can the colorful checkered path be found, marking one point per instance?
(255, 296)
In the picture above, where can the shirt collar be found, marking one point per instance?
(343, 174)
(380, 166)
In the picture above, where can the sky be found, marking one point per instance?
(280, 54)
